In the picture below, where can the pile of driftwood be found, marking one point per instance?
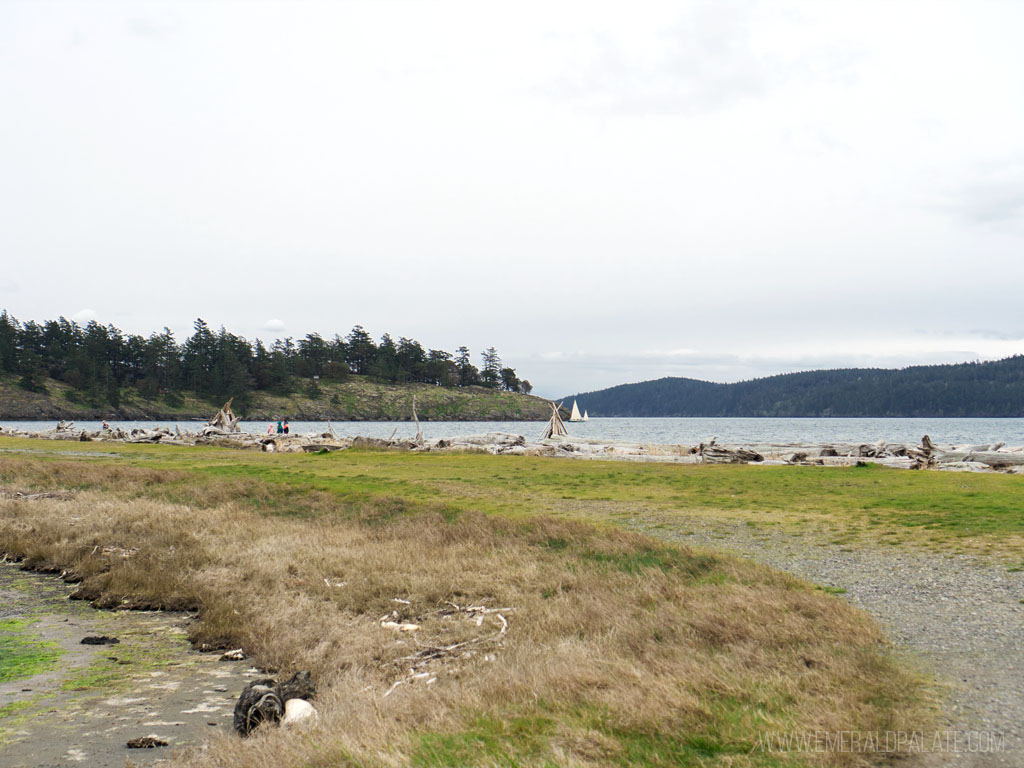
(995, 457)
(975, 458)
(222, 429)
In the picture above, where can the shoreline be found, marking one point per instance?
(991, 457)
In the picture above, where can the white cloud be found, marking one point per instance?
(274, 324)
(83, 316)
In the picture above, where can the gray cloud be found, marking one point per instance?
(996, 196)
(706, 60)
(149, 28)
(1016, 334)
(700, 63)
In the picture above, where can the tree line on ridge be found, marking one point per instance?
(100, 361)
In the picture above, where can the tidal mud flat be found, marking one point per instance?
(85, 702)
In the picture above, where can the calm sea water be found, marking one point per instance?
(668, 431)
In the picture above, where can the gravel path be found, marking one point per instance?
(962, 617)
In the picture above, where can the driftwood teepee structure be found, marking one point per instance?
(225, 420)
(555, 427)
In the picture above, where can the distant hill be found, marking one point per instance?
(991, 389)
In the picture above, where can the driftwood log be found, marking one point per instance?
(994, 459)
(711, 453)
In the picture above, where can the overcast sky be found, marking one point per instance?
(606, 192)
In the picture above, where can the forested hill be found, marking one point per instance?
(72, 370)
(992, 389)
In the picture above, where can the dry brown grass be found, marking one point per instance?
(618, 650)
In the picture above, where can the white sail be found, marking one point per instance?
(575, 416)
(585, 417)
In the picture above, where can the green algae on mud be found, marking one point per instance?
(23, 653)
(141, 650)
(76, 708)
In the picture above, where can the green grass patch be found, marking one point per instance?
(14, 708)
(22, 652)
(545, 739)
(664, 559)
(831, 590)
(489, 741)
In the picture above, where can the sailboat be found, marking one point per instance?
(575, 415)
(585, 417)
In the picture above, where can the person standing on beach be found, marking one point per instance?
(286, 426)
(280, 429)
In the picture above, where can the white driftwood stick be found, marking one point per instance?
(419, 429)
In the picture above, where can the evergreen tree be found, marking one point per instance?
(162, 360)
(359, 350)
(199, 359)
(9, 328)
(509, 380)
(441, 370)
(32, 374)
(230, 374)
(385, 360)
(282, 359)
(411, 360)
(314, 353)
(491, 372)
(468, 373)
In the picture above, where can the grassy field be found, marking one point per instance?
(944, 511)
(619, 650)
